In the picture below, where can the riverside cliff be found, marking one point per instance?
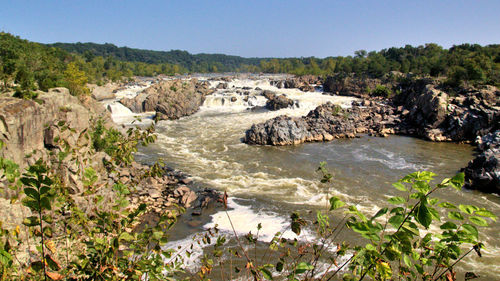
(72, 135)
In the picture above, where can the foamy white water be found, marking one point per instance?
(122, 114)
(275, 181)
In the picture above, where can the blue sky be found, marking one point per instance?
(255, 28)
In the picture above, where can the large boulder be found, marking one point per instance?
(324, 123)
(427, 108)
(277, 102)
(104, 92)
(282, 130)
(483, 172)
(170, 99)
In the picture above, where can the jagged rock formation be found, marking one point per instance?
(433, 114)
(24, 124)
(324, 123)
(483, 172)
(170, 99)
(277, 102)
(303, 83)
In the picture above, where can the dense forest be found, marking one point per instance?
(194, 63)
(30, 66)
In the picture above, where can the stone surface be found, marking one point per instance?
(277, 102)
(25, 124)
(170, 99)
(324, 123)
(483, 172)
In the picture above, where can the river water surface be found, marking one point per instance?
(265, 184)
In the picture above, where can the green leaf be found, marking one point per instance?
(424, 216)
(458, 181)
(157, 235)
(380, 213)
(266, 273)
(422, 186)
(5, 258)
(90, 176)
(448, 225)
(370, 247)
(407, 261)
(47, 218)
(455, 215)
(47, 231)
(31, 203)
(396, 220)
(486, 213)
(44, 189)
(303, 267)
(354, 210)
(31, 221)
(29, 181)
(447, 205)
(478, 221)
(335, 203)
(31, 192)
(396, 200)
(468, 209)
(399, 186)
(434, 213)
(45, 203)
(433, 201)
(472, 230)
(126, 236)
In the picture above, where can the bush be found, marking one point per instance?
(381, 91)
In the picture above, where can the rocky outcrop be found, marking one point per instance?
(304, 83)
(55, 127)
(325, 123)
(277, 102)
(24, 124)
(483, 172)
(104, 92)
(350, 86)
(164, 192)
(433, 114)
(170, 99)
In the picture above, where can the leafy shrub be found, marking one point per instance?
(381, 91)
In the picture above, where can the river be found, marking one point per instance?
(266, 184)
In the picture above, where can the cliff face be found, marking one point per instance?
(25, 124)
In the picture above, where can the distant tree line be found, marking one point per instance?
(30, 66)
(466, 62)
(33, 66)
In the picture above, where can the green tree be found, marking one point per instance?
(75, 80)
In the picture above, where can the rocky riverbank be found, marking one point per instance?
(60, 129)
(483, 172)
(417, 107)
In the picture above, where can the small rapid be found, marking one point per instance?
(266, 184)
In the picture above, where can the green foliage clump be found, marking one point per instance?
(117, 145)
(381, 91)
(108, 241)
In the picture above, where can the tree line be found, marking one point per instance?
(30, 65)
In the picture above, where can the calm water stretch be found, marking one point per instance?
(265, 184)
